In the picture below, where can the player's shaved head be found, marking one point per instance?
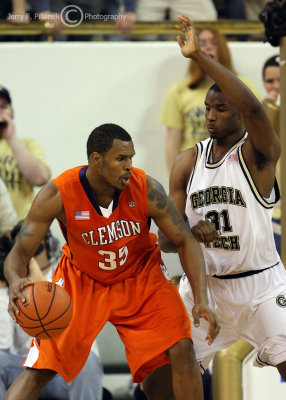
(215, 88)
(101, 138)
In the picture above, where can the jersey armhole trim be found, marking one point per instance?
(266, 204)
(199, 147)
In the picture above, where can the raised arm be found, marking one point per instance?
(262, 136)
(46, 207)
(169, 221)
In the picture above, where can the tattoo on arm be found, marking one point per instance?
(157, 193)
(176, 217)
(23, 233)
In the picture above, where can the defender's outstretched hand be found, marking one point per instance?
(191, 44)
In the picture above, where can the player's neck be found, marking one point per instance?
(222, 145)
(102, 191)
(104, 198)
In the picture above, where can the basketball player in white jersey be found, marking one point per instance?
(225, 187)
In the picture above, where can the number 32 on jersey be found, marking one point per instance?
(111, 259)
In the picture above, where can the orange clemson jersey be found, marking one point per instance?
(108, 249)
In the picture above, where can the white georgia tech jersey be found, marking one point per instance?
(225, 194)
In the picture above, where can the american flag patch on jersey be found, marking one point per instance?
(81, 215)
(232, 158)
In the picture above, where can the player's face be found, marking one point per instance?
(208, 43)
(272, 80)
(222, 117)
(117, 164)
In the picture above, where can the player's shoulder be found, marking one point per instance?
(68, 176)
(186, 159)
(183, 166)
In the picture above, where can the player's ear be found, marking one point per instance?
(95, 158)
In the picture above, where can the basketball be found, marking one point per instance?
(47, 312)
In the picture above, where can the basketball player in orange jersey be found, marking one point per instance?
(113, 271)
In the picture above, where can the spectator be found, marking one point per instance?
(15, 11)
(156, 10)
(184, 112)
(271, 103)
(84, 9)
(231, 9)
(124, 24)
(271, 83)
(15, 343)
(8, 216)
(253, 8)
(22, 164)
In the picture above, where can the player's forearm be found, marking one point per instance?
(34, 170)
(15, 266)
(235, 90)
(193, 264)
(166, 245)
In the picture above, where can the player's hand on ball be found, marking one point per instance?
(205, 232)
(191, 44)
(16, 288)
(47, 311)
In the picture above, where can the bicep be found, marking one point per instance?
(165, 214)
(46, 206)
(179, 177)
(177, 194)
(262, 137)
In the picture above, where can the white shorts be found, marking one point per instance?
(251, 308)
(155, 10)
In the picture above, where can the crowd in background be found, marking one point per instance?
(123, 12)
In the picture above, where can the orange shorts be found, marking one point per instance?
(146, 310)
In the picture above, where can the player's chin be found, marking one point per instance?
(120, 187)
(123, 184)
(213, 135)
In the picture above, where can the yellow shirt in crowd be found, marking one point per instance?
(20, 190)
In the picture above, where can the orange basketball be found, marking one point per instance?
(47, 312)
